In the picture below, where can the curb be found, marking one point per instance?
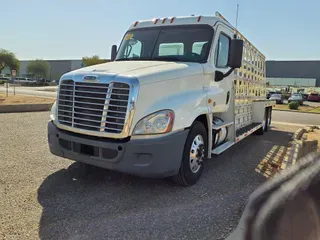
(280, 157)
(300, 147)
(25, 108)
(282, 110)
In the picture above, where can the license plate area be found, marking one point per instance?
(89, 150)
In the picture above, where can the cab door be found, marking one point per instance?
(219, 90)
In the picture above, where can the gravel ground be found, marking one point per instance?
(43, 196)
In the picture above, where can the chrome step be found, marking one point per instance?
(222, 148)
(221, 125)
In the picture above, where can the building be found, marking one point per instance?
(57, 68)
(301, 73)
(294, 82)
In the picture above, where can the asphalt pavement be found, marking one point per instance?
(296, 117)
(47, 197)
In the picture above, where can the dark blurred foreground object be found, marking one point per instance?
(288, 206)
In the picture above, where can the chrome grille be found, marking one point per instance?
(93, 106)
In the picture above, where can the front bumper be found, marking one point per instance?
(152, 157)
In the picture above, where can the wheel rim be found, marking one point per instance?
(196, 153)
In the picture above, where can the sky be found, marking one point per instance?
(71, 29)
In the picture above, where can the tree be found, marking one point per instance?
(8, 59)
(38, 68)
(89, 61)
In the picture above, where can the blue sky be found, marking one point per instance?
(71, 29)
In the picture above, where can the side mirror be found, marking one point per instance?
(219, 76)
(235, 54)
(113, 52)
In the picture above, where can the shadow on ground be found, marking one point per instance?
(109, 205)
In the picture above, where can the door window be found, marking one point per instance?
(222, 53)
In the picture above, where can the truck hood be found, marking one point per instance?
(146, 72)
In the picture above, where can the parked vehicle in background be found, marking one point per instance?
(54, 82)
(314, 97)
(297, 97)
(305, 96)
(5, 79)
(270, 93)
(20, 80)
(171, 87)
(277, 97)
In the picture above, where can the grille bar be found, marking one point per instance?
(93, 106)
(100, 104)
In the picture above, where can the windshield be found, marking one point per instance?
(178, 43)
(276, 95)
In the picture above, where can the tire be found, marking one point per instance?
(265, 128)
(188, 176)
(268, 119)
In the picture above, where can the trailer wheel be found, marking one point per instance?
(268, 118)
(265, 123)
(194, 153)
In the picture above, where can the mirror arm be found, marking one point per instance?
(228, 73)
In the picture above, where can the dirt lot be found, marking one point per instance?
(47, 197)
(22, 99)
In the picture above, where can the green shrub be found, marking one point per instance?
(294, 105)
(3, 81)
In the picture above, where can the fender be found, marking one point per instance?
(187, 105)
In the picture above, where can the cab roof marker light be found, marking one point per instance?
(172, 19)
(155, 21)
(136, 23)
(199, 18)
(163, 21)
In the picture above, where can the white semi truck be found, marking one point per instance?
(176, 91)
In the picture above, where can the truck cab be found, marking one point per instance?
(164, 104)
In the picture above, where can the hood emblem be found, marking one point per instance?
(90, 78)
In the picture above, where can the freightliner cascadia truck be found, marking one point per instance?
(176, 91)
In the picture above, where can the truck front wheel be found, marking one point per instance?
(194, 153)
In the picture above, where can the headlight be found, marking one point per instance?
(53, 112)
(158, 122)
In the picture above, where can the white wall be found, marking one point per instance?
(304, 82)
